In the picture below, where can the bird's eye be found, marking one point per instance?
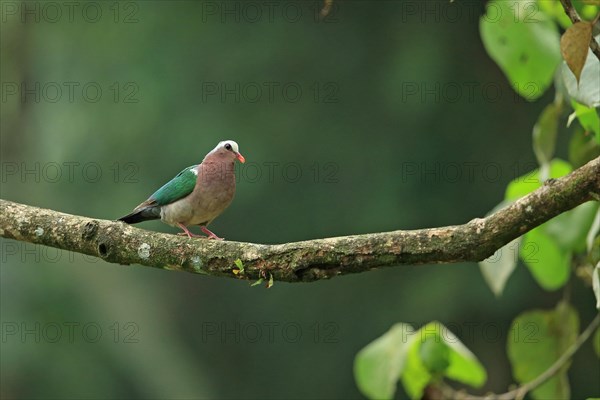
(228, 146)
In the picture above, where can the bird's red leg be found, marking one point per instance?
(187, 231)
(210, 234)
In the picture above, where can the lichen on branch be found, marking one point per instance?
(306, 261)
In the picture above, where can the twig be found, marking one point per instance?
(574, 17)
(521, 391)
(306, 261)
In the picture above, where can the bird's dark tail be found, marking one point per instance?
(140, 215)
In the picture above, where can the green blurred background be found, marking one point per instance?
(385, 115)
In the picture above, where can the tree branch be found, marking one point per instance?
(574, 17)
(306, 261)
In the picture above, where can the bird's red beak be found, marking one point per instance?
(240, 157)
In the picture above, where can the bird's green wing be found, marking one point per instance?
(177, 188)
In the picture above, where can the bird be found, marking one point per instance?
(195, 196)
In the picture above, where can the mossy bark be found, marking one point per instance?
(311, 260)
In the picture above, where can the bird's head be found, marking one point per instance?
(228, 149)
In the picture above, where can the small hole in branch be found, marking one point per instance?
(103, 250)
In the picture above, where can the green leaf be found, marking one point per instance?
(499, 267)
(415, 376)
(463, 365)
(524, 42)
(538, 338)
(570, 229)
(546, 250)
(258, 282)
(377, 367)
(593, 232)
(435, 355)
(588, 118)
(596, 284)
(587, 92)
(271, 281)
(544, 133)
(240, 267)
(583, 148)
(574, 45)
(556, 10)
(586, 9)
(548, 263)
(596, 342)
(531, 181)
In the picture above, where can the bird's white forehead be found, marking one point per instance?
(234, 145)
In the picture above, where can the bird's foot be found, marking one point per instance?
(186, 232)
(210, 234)
(191, 235)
